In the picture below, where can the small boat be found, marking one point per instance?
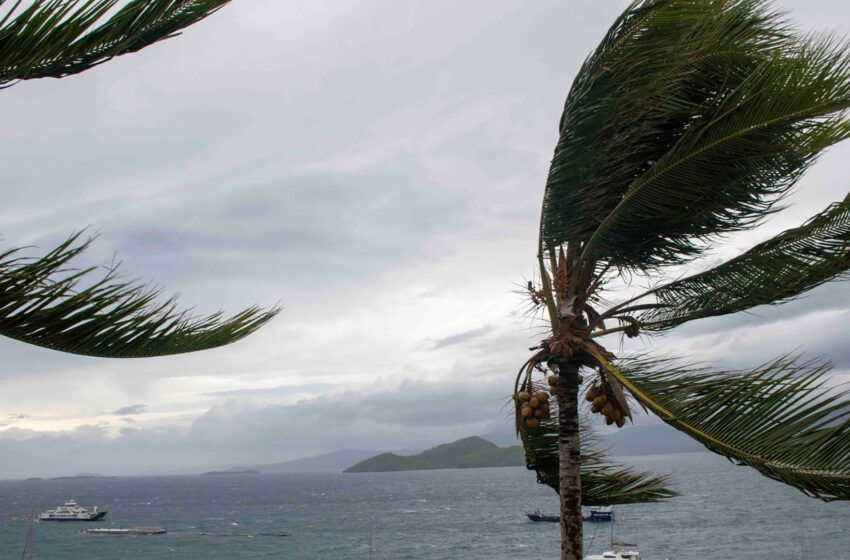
(619, 550)
(128, 531)
(597, 513)
(70, 511)
(540, 516)
(622, 551)
(600, 513)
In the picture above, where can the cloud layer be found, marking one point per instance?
(378, 169)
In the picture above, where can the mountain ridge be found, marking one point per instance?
(470, 452)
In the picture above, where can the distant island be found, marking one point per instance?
(81, 475)
(233, 471)
(335, 461)
(466, 453)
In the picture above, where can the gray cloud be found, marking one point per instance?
(384, 185)
(460, 338)
(132, 409)
(833, 296)
(272, 392)
(415, 415)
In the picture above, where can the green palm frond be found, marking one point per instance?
(780, 418)
(692, 118)
(772, 272)
(48, 303)
(603, 482)
(56, 38)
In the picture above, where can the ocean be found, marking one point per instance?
(725, 512)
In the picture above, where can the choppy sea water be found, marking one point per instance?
(724, 512)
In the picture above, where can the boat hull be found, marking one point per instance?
(93, 517)
(542, 517)
(128, 531)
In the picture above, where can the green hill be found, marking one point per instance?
(471, 452)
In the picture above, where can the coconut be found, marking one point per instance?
(591, 394)
(616, 414)
(620, 422)
(526, 411)
(523, 396)
(542, 396)
(608, 410)
(609, 420)
(534, 402)
(553, 380)
(532, 423)
(599, 401)
(539, 413)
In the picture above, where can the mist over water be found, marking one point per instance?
(725, 512)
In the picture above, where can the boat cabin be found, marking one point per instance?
(600, 513)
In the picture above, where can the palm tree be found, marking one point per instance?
(47, 301)
(692, 119)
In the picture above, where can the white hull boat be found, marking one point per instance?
(70, 511)
(615, 555)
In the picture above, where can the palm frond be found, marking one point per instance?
(603, 482)
(692, 118)
(772, 272)
(56, 38)
(780, 418)
(48, 303)
(635, 96)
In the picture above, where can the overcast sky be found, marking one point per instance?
(375, 166)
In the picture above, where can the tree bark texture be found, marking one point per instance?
(570, 462)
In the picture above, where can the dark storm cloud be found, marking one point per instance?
(132, 409)
(816, 326)
(305, 229)
(416, 412)
(415, 415)
(832, 296)
(460, 338)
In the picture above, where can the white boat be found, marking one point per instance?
(70, 511)
(619, 550)
(616, 554)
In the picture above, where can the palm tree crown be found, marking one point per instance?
(691, 120)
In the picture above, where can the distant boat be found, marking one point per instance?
(600, 513)
(70, 511)
(597, 513)
(540, 516)
(128, 531)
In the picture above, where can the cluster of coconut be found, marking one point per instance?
(533, 407)
(604, 403)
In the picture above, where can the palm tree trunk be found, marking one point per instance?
(570, 462)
